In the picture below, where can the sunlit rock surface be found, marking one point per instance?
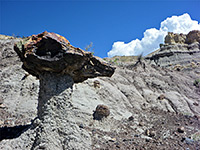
(179, 49)
(133, 91)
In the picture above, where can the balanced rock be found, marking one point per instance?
(58, 65)
(50, 52)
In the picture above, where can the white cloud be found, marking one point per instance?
(153, 37)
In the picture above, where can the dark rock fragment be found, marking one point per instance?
(161, 97)
(150, 133)
(131, 118)
(96, 84)
(181, 130)
(50, 52)
(101, 112)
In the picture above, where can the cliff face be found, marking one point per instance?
(175, 38)
(148, 104)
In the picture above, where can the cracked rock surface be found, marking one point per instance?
(50, 52)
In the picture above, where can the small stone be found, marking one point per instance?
(175, 133)
(112, 140)
(147, 132)
(197, 117)
(93, 131)
(42, 146)
(181, 130)
(117, 145)
(147, 140)
(130, 118)
(150, 133)
(36, 122)
(2, 106)
(136, 135)
(96, 84)
(141, 124)
(100, 112)
(196, 136)
(196, 104)
(161, 97)
(81, 126)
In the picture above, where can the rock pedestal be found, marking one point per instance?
(53, 106)
(51, 87)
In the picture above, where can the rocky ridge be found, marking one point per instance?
(179, 51)
(150, 107)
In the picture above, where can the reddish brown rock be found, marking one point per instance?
(50, 52)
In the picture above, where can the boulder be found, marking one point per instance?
(50, 52)
(193, 36)
(101, 112)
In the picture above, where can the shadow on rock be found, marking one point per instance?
(13, 132)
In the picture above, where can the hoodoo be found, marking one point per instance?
(57, 64)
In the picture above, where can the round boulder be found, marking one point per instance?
(101, 112)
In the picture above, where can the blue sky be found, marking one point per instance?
(100, 22)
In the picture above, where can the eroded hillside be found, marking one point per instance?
(151, 107)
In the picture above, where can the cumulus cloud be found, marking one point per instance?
(153, 37)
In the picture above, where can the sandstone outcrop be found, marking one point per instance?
(174, 38)
(179, 49)
(193, 36)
